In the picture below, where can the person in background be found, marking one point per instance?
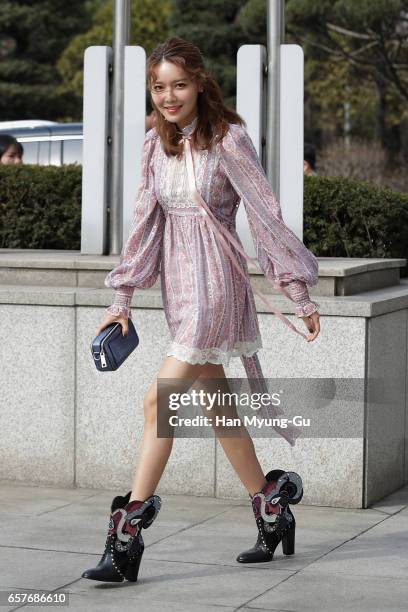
(11, 151)
(309, 160)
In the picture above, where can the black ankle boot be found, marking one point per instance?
(273, 516)
(124, 545)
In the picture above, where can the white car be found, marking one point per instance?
(24, 123)
(47, 142)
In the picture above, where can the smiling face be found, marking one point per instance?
(175, 93)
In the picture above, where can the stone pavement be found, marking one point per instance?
(345, 559)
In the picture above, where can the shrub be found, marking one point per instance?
(40, 207)
(348, 218)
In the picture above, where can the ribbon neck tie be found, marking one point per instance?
(222, 233)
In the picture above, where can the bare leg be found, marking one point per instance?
(239, 449)
(241, 454)
(154, 452)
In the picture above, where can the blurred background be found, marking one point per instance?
(356, 90)
(356, 66)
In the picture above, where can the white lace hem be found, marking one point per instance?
(214, 354)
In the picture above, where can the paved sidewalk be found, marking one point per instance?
(345, 559)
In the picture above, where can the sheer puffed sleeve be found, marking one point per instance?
(283, 258)
(139, 262)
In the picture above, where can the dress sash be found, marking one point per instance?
(251, 363)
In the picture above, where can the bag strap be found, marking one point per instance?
(222, 233)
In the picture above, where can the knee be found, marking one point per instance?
(150, 409)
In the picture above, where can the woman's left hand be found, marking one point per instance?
(313, 325)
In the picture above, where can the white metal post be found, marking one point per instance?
(292, 137)
(95, 150)
(134, 118)
(251, 103)
(275, 25)
(120, 39)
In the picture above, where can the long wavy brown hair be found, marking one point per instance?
(213, 114)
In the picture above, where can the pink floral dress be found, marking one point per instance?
(209, 306)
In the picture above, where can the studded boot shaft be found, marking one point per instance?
(124, 545)
(274, 519)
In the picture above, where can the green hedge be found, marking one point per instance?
(41, 209)
(348, 218)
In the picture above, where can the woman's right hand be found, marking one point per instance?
(312, 323)
(109, 319)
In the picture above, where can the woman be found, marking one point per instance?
(208, 301)
(11, 151)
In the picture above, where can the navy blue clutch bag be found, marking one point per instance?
(110, 348)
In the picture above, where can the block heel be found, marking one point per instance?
(132, 570)
(288, 542)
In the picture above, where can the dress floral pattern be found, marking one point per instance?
(209, 307)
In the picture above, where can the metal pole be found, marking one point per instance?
(275, 36)
(121, 37)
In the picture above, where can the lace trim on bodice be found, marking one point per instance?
(174, 190)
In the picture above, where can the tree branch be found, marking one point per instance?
(340, 30)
